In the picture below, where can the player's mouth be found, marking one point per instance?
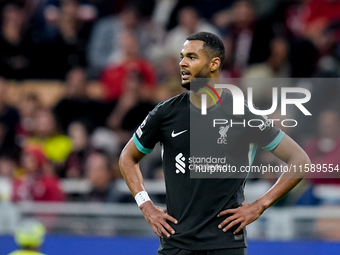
(185, 75)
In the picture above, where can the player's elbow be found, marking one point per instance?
(303, 158)
(302, 162)
(307, 160)
(124, 158)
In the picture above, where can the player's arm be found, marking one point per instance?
(291, 153)
(129, 167)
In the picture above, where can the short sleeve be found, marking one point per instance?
(264, 132)
(148, 133)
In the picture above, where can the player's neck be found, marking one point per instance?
(196, 97)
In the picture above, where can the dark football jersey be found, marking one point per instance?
(193, 145)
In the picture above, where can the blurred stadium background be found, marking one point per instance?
(78, 76)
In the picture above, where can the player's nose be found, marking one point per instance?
(183, 62)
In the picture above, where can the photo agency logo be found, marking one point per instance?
(239, 104)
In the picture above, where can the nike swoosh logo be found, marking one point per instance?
(177, 134)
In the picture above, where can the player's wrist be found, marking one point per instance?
(146, 206)
(262, 204)
(141, 198)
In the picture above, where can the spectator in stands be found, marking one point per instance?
(115, 76)
(318, 14)
(250, 37)
(106, 46)
(46, 137)
(85, 11)
(75, 164)
(130, 109)
(325, 148)
(127, 113)
(9, 119)
(204, 8)
(303, 56)
(28, 108)
(67, 42)
(189, 23)
(16, 44)
(37, 182)
(89, 9)
(99, 173)
(276, 66)
(327, 64)
(77, 105)
(8, 166)
(7, 148)
(313, 27)
(107, 7)
(169, 79)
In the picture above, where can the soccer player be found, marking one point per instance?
(203, 215)
(29, 236)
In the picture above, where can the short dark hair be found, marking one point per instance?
(212, 44)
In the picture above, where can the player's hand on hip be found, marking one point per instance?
(243, 216)
(163, 209)
(157, 218)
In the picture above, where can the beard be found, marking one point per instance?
(194, 85)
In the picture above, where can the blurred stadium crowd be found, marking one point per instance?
(129, 51)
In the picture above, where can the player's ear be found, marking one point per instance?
(215, 64)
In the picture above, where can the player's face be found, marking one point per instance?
(194, 62)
